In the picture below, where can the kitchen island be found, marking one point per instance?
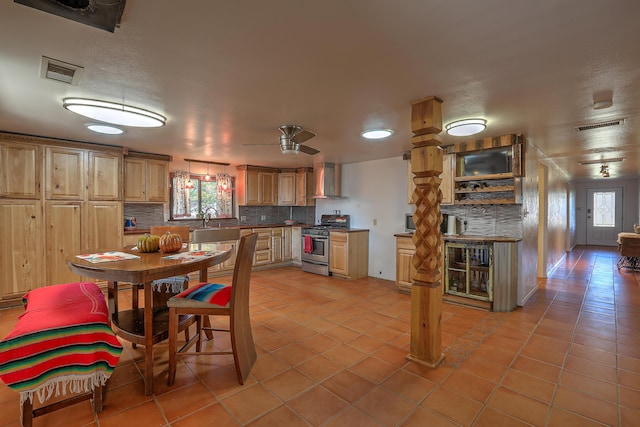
(481, 271)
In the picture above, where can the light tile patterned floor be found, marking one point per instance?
(332, 353)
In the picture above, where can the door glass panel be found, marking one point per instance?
(604, 209)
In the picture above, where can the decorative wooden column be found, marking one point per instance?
(426, 291)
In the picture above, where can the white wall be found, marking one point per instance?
(375, 190)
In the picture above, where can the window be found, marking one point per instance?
(213, 197)
(604, 209)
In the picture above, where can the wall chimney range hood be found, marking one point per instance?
(327, 180)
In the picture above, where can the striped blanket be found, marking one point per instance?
(62, 342)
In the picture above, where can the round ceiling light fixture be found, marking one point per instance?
(105, 129)
(466, 127)
(377, 133)
(113, 113)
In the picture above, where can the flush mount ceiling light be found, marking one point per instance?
(113, 113)
(466, 127)
(601, 105)
(377, 133)
(106, 129)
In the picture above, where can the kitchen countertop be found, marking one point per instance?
(243, 227)
(469, 238)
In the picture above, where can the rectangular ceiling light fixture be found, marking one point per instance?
(60, 71)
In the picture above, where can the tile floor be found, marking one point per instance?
(332, 353)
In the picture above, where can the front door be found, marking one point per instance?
(604, 215)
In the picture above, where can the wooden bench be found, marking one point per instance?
(62, 343)
(629, 248)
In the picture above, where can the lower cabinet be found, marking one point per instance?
(405, 249)
(483, 273)
(22, 251)
(349, 254)
(296, 245)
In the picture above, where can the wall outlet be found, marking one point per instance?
(263, 217)
(243, 218)
(375, 222)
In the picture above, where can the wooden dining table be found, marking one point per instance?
(147, 325)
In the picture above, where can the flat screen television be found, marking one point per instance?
(488, 162)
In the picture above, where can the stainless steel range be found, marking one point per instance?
(315, 243)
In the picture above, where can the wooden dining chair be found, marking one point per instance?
(211, 299)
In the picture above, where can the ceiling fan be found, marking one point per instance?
(292, 138)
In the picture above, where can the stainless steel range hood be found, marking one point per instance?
(327, 179)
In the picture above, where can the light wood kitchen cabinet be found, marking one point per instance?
(63, 237)
(97, 235)
(286, 243)
(64, 173)
(146, 180)
(263, 247)
(305, 187)
(411, 186)
(20, 175)
(405, 271)
(256, 186)
(349, 251)
(21, 248)
(448, 175)
(296, 245)
(105, 176)
(287, 188)
(276, 244)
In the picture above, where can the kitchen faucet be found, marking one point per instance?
(207, 215)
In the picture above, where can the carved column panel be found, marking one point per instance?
(426, 291)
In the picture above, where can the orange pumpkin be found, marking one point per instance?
(170, 242)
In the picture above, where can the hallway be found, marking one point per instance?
(332, 353)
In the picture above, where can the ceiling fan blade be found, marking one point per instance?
(302, 136)
(308, 150)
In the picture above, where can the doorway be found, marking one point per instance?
(604, 215)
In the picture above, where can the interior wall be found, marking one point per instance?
(374, 193)
(557, 221)
(528, 269)
(630, 205)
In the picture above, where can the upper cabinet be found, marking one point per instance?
(305, 187)
(446, 185)
(105, 176)
(64, 173)
(257, 186)
(488, 171)
(146, 180)
(20, 174)
(287, 188)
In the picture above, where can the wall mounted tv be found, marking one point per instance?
(487, 162)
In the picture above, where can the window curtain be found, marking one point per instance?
(180, 195)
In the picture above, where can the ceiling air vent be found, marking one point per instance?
(53, 69)
(600, 125)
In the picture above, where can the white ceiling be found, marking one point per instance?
(228, 73)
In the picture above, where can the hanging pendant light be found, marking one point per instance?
(189, 184)
(207, 177)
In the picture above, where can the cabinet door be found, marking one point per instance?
(339, 253)
(21, 249)
(104, 225)
(287, 189)
(63, 238)
(276, 244)
(405, 271)
(263, 246)
(411, 186)
(64, 173)
(286, 244)
(104, 176)
(157, 181)
(305, 188)
(446, 186)
(267, 188)
(252, 188)
(20, 175)
(135, 180)
(296, 245)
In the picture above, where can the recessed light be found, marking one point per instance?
(466, 127)
(601, 105)
(377, 133)
(113, 113)
(106, 129)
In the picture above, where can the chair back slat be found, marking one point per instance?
(181, 230)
